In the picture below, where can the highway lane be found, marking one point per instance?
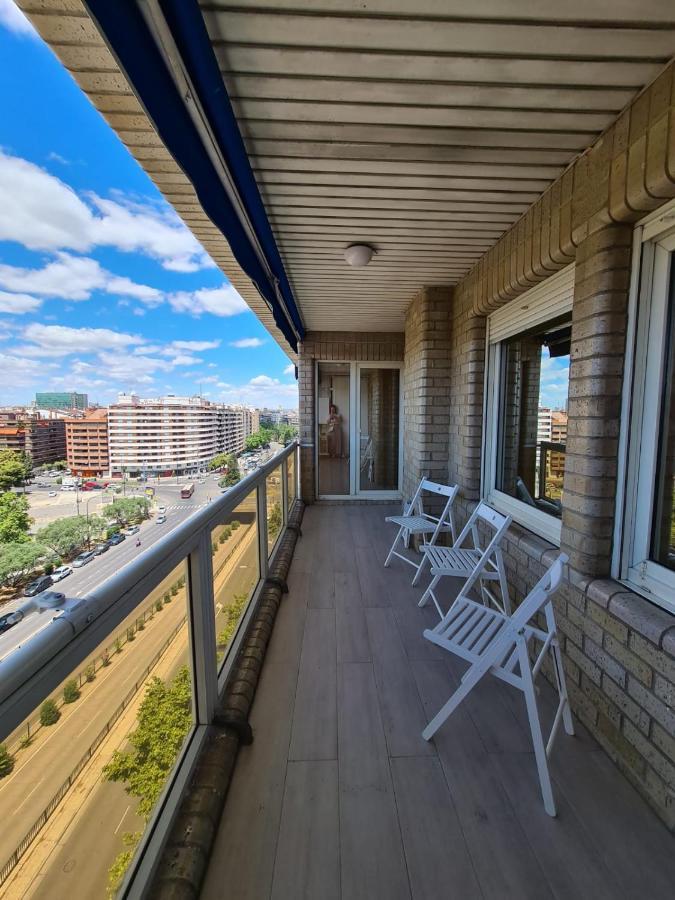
(79, 867)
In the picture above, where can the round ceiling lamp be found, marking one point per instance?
(359, 255)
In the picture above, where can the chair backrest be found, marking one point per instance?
(445, 519)
(540, 594)
(496, 522)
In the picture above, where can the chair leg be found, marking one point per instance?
(535, 727)
(429, 591)
(418, 573)
(562, 686)
(471, 679)
(391, 552)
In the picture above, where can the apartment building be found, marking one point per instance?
(43, 439)
(172, 434)
(87, 443)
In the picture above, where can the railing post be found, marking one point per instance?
(284, 490)
(261, 498)
(202, 629)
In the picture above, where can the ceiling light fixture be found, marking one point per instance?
(359, 255)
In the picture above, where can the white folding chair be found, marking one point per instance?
(495, 643)
(475, 562)
(415, 520)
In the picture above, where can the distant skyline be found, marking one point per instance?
(102, 288)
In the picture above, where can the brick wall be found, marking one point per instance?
(352, 346)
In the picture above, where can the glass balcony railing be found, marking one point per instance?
(106, 697)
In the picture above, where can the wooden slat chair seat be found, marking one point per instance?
(476, 563)
(417, 521)
(497, 644)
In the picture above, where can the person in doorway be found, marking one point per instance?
(334, 432)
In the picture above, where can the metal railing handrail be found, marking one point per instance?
(31, 672)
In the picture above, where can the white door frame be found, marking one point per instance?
(355, 368)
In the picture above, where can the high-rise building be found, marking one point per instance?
(180, 435)
(61, 400)
(43, 439)
(87, 443)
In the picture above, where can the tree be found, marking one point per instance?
(6, 761)
(233, 614)
(49, 713)
(260, 438)
(128, 509)
(119, 867)
(218, 461)
(232, 475)
(164, 719)
(274, 521)
(14, 518)
(71, 692)
(12, 469)
(17, 560)
(66, 537)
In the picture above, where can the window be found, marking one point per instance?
(527, 391)
(648, 539)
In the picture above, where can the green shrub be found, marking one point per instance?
(105, 658)
(222, 538)
(234, 525)
(6, 761)
(118, 645)
(130, 634)
(159, 605)
(49, 713)
(174, 590)
(26, 740)
(71, 691)
(140, 625)
(90, 673)
(49, 568)
(214, 548)
(181, 581)
(167, 598)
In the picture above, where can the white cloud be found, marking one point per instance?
(41, 212)
(289, 370)
(56, 157)
(247, 342)
(198, 346)
(73, 278)
(221, 301)
(18, 303)
(60, 340)
(262, 390)
(14, 20)
(129, 369)
(185, 359)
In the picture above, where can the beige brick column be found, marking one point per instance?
(426, 392)
(596, 371)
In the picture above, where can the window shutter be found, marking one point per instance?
(547, 300)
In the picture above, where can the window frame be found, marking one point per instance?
(548, 300)
(654, 255)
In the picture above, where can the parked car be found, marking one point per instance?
(116, 538)
(52, 598)
(61, 573)
(36, 587)
(52, 493)
(161, 519)
(10, 619)
(133, 529)
(82, 559)
(161, 510)
(100, 548)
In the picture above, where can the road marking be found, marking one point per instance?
(219, 608)
(17, 808)
(119, 824)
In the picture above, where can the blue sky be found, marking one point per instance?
(554, 381)
(102, 289)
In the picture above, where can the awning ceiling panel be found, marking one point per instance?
(424, 129)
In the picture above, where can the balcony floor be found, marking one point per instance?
(339, 795)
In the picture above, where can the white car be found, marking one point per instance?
(52, 493)
(161, 510)
(161, 519)
(61, 573)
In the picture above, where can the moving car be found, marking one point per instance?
(116, 538)
(10, 619)
(61, 573)
(133, 529)
(52, 598)
(161, 519)
(100, 548)
(161, 510)
(52, 493)
(36, 587)
(82, 559)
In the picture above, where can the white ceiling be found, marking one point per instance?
(423, 128)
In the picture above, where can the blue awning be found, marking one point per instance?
(133, 44)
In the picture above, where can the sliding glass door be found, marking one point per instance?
(379, 438)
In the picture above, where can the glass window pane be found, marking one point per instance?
(236, 571)
(274, 509)
(663, 535)
(532, 415)
(333, 428)
(378, 429)
(105, 743)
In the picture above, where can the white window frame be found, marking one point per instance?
(548, 300)
(654, 254)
